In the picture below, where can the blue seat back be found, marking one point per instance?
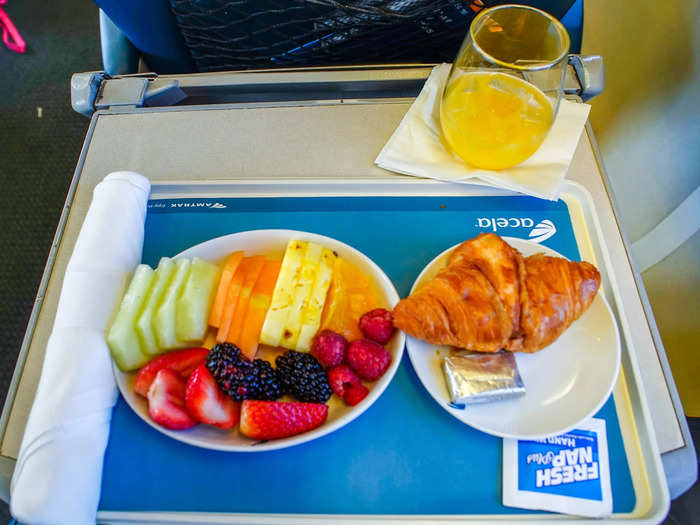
(182, 36)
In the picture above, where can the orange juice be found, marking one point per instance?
(493, 120)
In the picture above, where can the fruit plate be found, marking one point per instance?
(566, 382)
(273, 242)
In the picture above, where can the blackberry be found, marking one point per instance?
(240, 378)
(303, 377)
(269, 385)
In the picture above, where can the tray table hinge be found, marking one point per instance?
(97, 90)
(83, 90)
(588, 74)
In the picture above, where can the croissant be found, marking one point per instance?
(489, 297)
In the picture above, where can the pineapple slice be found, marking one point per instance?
(122, 339)
(311, 318)
(302, 292)
(276, 318)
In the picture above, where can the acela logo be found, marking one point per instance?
(502, 222)
(216, 205)
(543, 231)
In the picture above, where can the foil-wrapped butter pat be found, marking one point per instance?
(475, 377)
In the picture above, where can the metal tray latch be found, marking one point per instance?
(590, 76)
(97, 90)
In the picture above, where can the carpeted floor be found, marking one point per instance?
(40, 140)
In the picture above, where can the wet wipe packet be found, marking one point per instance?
(568, 473)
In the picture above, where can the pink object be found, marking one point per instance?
(10, 36)
(329, 348)
(377, 325)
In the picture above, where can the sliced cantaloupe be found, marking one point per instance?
(234, 290)
(251, 277)
(260, 299)
(230, 267)
(209, 338)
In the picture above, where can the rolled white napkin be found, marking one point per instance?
(58, 473)
(415, 147)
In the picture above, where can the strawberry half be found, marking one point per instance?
(206, 403)
(180, 361)
(166, 401)
(278, 419)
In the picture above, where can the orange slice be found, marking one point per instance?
(350, 295)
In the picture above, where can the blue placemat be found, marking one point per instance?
(404, 455)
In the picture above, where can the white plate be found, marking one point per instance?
(274, 242)
(566, 382)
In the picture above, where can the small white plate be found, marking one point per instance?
(271, 242)
(565, 383)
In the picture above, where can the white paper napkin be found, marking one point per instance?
(58, 473)
(415, 147)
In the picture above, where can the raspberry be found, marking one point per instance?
(377, 325)
(329, 348)
(369, 359)
(340, 378)
(347, 385)
(355, 393)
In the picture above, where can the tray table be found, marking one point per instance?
(301, 146)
